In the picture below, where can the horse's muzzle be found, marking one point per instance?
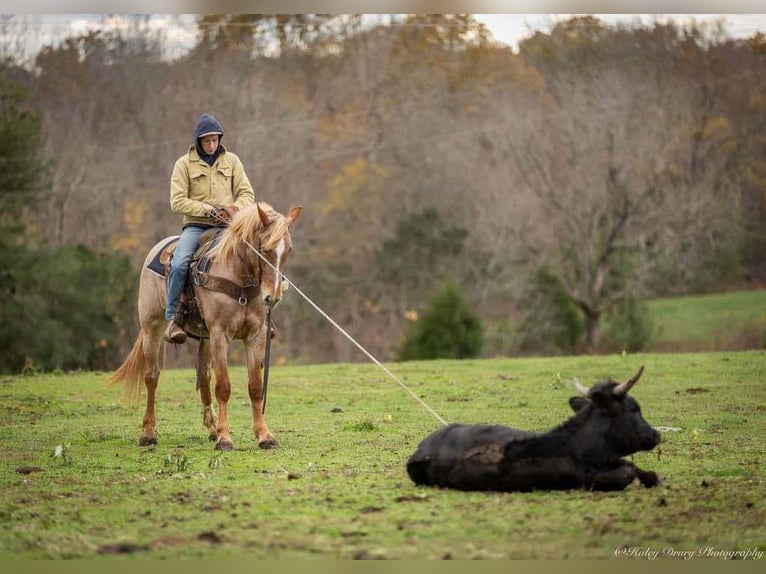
(271, 301)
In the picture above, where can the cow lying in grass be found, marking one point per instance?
(583, 452)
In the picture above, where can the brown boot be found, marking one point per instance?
(174, 333)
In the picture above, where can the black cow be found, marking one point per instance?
(583, 452)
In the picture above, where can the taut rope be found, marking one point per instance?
(349, 337)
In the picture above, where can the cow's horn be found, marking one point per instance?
(625, 387)
(582, 389)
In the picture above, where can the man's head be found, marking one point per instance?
(207, 134)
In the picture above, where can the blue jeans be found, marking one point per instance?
(179, 265)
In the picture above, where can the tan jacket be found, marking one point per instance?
(196, 187)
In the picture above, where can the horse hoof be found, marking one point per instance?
(224, 445)
(268, 443)
(147, 441)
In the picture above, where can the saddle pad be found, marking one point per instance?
(155, 265)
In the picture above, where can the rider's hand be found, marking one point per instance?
(225, 213)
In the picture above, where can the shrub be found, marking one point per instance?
(449, 329)
(628, 326)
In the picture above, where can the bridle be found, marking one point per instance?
(252, 279)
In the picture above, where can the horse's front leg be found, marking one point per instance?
(219, 346)
(255, 390)
(209, 420)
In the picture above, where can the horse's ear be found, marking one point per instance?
(293, 215)
(263, 215)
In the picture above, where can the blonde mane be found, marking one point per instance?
(247, 226)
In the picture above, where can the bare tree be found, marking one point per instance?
(629, 166)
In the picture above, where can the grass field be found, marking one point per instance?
(716, 322)
(75, 484)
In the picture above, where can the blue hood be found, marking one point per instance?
(207, 124)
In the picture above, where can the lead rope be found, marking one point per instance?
(266, 361)
(349, 337)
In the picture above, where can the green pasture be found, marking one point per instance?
(75, 483)
(721, 321)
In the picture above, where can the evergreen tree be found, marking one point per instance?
(61, 308)
(425, 246)
(22, 173)
(449, 329)
(65, 308)
(629, 326)
(552, 323)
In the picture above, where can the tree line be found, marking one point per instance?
(557, 186)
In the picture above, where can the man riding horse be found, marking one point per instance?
(208, 186)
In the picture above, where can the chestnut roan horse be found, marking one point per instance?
(226, 318)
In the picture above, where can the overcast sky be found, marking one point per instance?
(181, 31)
(510, 28)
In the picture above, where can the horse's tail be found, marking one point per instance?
(131, 373)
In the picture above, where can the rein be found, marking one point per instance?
(266, 361)
(242, 293)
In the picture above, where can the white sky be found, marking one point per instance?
(505, 28)
(510, 28)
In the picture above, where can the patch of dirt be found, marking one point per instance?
(210, 536)
(697, 390)
(181, 497)
(365, 554)
(29, 469)
(122, 548)
(411, 498)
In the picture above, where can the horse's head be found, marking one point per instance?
(261, 228)
(276, 246)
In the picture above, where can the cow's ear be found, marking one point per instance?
(578, 403)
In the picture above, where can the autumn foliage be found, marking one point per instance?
(624, 161)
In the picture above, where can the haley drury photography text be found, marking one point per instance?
(651, 553)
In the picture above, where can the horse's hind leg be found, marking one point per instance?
(255, 390)
(151, 377)
(209, 420)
